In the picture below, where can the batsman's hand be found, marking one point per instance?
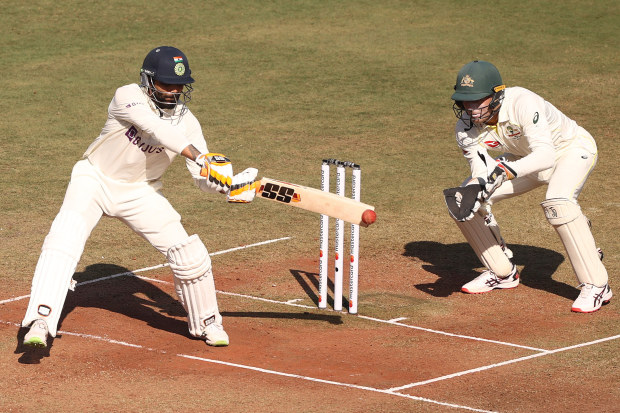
(217, 169)
(464, 201)
(498, 176)
(243, 188)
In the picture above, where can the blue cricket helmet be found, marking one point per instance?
(167, 64)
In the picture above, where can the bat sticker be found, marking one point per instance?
(279, 193)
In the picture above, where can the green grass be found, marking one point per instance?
(281, 85)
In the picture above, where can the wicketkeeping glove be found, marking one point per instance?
(500, 174)
(464, 201)
(243, 188)
(217, 169)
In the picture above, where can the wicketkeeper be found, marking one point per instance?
(541, 146)
(148, 125)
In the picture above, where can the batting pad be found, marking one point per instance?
(574, 231)
(485, 245)
(193, 283)
(60, 254)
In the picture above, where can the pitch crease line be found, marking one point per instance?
(129, 273)
(333, 383)
(262, 370)
(452, 334)
(504, 363)
(428, 330)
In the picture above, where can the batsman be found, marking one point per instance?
(148, 125)
(539, 145)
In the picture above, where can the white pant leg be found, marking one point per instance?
(154, 218)
(514, 187)
(63, 247)
(573, 168)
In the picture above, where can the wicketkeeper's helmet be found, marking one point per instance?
(167, 65)
(477, 80)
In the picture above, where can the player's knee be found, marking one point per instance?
(560, 211)
(189, 259)
(68, 234)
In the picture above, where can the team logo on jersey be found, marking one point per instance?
(467, 81)
(513, 132)
(535, 120)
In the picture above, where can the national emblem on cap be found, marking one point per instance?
(467, 81)
(179, 69)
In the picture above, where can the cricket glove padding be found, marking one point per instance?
(502, 173)
(464, 201)
(193, 283)
(217, 169)
(243, 188)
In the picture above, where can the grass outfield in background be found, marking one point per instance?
(281, 85)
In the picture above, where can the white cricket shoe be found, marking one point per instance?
(488, 281)
(37, 335)
(591, 298)
(214, 335)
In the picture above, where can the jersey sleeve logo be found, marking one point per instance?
(535, 120)
(492, 144)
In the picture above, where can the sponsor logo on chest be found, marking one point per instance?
(140, 143)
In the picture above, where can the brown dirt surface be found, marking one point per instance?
(124, 346)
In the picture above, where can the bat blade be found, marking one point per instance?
(314, 200)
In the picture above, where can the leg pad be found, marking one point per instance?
(485, 245)
(574, 231)
(194, 285)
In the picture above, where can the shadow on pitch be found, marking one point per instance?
(456, 264)
(136, 299)
(332, 319)
(309, 282)
(127, 295)
(30, 355)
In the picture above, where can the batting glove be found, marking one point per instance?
(500, 174)
(217, 169)
(243, 188)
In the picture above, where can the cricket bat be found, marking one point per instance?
(315, 200)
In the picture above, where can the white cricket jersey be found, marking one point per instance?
(138, 141)
(528, 127)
